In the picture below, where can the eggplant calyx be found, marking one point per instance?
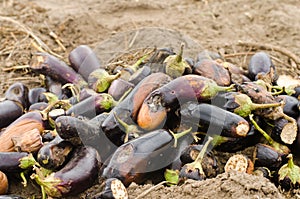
(277, 146)
(172, 176)
(197, 164)
(176, 136)
(107, 102)
(27, 162)
(128, 129)
(290, 170)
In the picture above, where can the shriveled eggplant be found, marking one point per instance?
(92, 106)
(10, 161)
(54, 154)
(239, 163)
(29, 142)
(168, 97)
(261, 67)
(76, 176)
(9, 112)
(58, 70)
(25, 123)
(213, 70)
(289, 174)
(128, 109)
(113, 189)
(3, 183)
(214, 120)
(135, 160)
(18, 92)
(84, 60)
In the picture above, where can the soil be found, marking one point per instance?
(113, 28)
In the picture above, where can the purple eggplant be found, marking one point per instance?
(10, 161)
(84, 60)
(208, 55)
(11, 196)
(139, 75)
(36, 95)
(9, 112)
(168, 97)
(290, 107)
(135, 160)
(18, 92)
(118, 87)
(156, 60)
(76, 176)
(40, 106)
(58, 70)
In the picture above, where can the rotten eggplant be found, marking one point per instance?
(113, 189)
(18, 92)
(77, 175)
(289, 174)
(3, 183)
(135, 160)
(178, 91)
(58, 70)
(239, 163)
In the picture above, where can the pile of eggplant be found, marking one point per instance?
(159, 119)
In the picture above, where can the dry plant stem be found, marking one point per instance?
(15, 68)
(272, 47)
(143, 194)
(29, 31)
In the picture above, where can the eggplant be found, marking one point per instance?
(213, 70)
(11, 196)
(99, 80)
(3, 183)
(282, 131)
(262, 172)
(40, 106)
(156, 60)
(239, 163)
(27, 122)
(35, 95)
(9, 112)
(89, 133)
(58, 70)
(212, 119)
(76, 176)
(261, 67)
(113, 189)
(84, 60)
(10, 161)
(169, 97)
(118, 87)
(139, 75)
(18, 92)
(54, 86)
(29, 142)
(54, 154)
(175, 65)
(92, 106)
(206, 54)
(201, 168)
(290, 107)
(128, 109)
(289, 175)
(136, 160)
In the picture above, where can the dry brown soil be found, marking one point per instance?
(204, 24)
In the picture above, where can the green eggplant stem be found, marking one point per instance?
(255, 106)
(227, 88)
(136, 65)
(268, 138)
(39, 182)
(179, 135)
(128, 128)
(24, 180)
(290, 161)
(179, 56)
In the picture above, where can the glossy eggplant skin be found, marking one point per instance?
(127, 110)
(9, 161)
(89, 133)
(118, 87)
(35, 95)
(84, 60)
(290, 106)
(58, 70)
(210, 116)
(54, 154)
(9, 112)
(18, 92)
(77, 175)
(136, 159)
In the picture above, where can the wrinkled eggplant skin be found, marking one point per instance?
(277, 129)
(18, 92)
(291, 105)
(80, 172)
(84, 60)
(56, 153)
(208, 116)
(9, 112)
(266, 156)
(136, 159)
(35, 95)
(211, 69)
(9, 161)
(85, 132)
(127, 110)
